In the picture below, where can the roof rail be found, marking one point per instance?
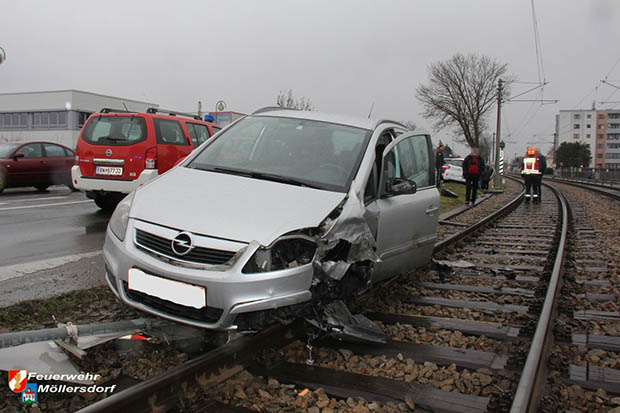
(110, 110)
(271, 108)
(172, 113)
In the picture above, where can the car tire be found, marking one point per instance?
(107, 203)
(2, 181)
(71, 187)
(41, 188)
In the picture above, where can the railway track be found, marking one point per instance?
(605, 190)
(469, 333)
(585, 361)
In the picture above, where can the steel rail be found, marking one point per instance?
(162, 392)
(453, 238)
(532, 378)
(610, 192)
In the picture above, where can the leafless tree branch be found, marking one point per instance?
(287, 100)
(461, 92)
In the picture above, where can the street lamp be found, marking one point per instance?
(220, 105)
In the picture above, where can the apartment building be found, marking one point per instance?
(599, 129)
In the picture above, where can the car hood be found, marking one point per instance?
(230, 206)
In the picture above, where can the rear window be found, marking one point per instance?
(115, 130)
(455, 162)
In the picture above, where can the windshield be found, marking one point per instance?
(6, 149)
(115, 130)
(296, 151)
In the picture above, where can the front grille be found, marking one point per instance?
(199, 255)
(206, 314)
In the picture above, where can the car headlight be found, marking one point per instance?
(120, 217)
(287, 252)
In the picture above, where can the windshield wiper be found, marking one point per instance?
(258, 175)
(109, 138)
(282, 179)
(229, 171)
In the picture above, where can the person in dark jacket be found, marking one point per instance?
(439, 163)
(486, 177)
(473, 165)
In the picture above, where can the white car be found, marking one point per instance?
(453, 170)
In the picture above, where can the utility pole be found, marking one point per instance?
(496, 177)
(492, 149)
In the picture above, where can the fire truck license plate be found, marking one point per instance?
(109, 170)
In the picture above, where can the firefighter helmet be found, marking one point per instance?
(531, 151)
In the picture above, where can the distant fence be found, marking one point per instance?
(602, 175)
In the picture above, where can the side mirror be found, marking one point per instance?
(400, 186)
(18, 155)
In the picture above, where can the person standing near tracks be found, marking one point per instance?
(473, 165)
(439, 163)
(532, 169)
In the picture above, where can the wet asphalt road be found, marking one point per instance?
(37, 226)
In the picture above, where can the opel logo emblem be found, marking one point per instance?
(108, 152)
(182, 243)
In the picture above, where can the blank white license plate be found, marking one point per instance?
(109, 170)
(175, 291)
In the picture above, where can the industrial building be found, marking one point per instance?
(55, 116)
(599, 129)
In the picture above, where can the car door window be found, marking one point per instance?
(54, 151)
(202, 132)
(421, 172)
(169, 132)
(69, 153)
(33, 150)
(409, 159)
(192, 134)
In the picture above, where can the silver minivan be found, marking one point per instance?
(282, 210)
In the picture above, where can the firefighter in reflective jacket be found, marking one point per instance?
(532, 169)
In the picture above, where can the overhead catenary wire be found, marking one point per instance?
(537, 104)
(538, 45)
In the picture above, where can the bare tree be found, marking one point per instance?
(461, 92)
(287, 100)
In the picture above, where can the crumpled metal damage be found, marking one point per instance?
(347, 225)
(345, 243)
(338, 322)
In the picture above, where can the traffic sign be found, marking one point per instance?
(502, 145)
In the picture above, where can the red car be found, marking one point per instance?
(119, 151)
(38, 164)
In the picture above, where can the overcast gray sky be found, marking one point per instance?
(342, 55)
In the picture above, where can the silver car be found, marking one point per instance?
(282, 210)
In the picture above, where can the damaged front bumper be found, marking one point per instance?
(229, 292)
(236, 300)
